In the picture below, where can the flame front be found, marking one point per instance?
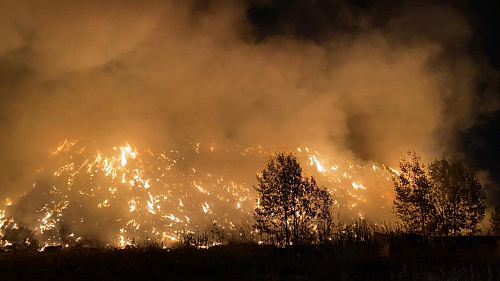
(130, 195)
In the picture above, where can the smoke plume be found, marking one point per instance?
(364, 84)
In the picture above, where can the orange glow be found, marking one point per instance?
(149, 195)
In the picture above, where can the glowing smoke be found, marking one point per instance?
(159, 73)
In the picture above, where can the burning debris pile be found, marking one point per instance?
(121, 195)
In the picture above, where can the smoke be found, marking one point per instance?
(350, 84)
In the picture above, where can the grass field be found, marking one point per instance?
(251, 262)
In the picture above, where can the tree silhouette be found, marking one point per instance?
(458, 197)
(495, 221)
(291, 208)
(412, 195)
(443, 199)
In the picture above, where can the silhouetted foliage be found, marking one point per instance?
(458, 197)
(495, 221)
(412, 195)
(444, 199)
(250, 262)
(291, 209)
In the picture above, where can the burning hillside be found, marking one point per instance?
(124, 194)
(355, 86)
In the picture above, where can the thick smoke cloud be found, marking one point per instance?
(158, 73)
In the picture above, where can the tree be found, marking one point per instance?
(446, 198)
(312, 219)
(290, 208)
(458, 197)
(495, 221)
(412, 195)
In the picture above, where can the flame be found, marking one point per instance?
(206, 207)
(127, 152)
(146, 194)
(315, 161)
(394, 171)
(358, 186)
(64, 146)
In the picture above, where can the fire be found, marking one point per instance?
(315, 161)
(206, 207)
(358, 186)
(127, 152)
(132, 203)
(146, 195)
(64, 146)
(394, 171)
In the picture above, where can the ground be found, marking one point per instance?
(249, 262)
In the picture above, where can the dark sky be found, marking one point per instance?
(482, 141)
(318, 20)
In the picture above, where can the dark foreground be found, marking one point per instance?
(252, 262)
